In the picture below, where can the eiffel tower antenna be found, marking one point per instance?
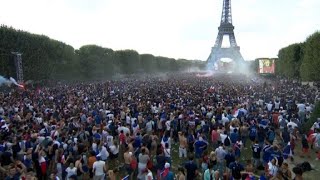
(226, 28)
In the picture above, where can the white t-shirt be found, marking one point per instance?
(128, 120)
(292, 124)
(122, 115)
(149, 126)
(209, 114)
(104, 153)
(316, 125)
(301, 107)
(71, 172)
(167, 152)
(168, 125)
(133, 120)
(269, 106)
(149, 175)
(124, 129)
(223, 137)
(109, 140)
(114, 150)
(94, 147)
(110, 116)
(164, 143)
(277, 105)
(308, 108)
(98, 167)
(224, 120)
(135, 129)
(272, 169)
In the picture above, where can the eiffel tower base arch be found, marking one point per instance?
(218, 53)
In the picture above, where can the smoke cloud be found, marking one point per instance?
(11, 80)
(4, 81)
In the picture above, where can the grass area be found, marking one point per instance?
(246, 154)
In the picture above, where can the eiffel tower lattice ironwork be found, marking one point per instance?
(225, 28)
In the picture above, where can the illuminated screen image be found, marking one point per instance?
(266, 66)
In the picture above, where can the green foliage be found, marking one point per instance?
(289, 61)
(315, 114)
(128, 61)
(301, 60)
(47, 59)
(310, 68)
(95, 61)
(149, 63)
(43, 58)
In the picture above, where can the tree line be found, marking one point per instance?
(300, 60)
(47, 59)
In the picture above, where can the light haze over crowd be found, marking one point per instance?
(172, 28)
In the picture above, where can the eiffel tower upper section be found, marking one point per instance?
(226, 28)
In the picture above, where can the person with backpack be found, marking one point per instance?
(225, 139)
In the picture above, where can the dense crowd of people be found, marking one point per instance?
(174, 126)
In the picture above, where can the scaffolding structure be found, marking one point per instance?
(18, 66)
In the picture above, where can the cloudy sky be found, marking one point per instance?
(172, 28)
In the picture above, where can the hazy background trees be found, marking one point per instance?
(301, 60)
(48, 59)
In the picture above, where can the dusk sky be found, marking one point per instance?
(172, 28)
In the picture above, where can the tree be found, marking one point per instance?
(47, 59)
(289, 61)
(310, 68)
(95, 62)
(128, 61)
(148, 63)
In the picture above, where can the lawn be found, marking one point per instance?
(245, 155)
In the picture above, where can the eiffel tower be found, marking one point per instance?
(225, 28)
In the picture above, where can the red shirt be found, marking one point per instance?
(214, 136)
(122, 138)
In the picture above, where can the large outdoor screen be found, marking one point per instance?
(266, 66)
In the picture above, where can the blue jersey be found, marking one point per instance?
(267, 153)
